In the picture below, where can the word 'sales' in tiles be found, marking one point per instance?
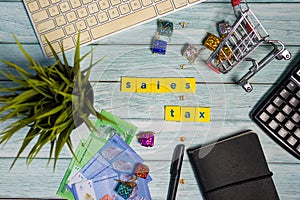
(158, 85)
(187, 114)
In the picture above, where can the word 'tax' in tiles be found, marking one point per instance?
(187, 114)
(158, 85)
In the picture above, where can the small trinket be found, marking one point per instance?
(141, 170)
(165, 28)
(181, 97)
(224, 28)
(124, 190)
(191, 53)
(146, 139)
(182, 24)
(181, 181)
(212, 42)
(159, 46)
(182, 66)
(182, 139)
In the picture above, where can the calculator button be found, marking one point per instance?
(291, 140)
(294, 102)
(278, 101)
(292, 86)
(273, 124)
(264, 116)
(284, 93)
(282, 132)
(290, 125)
(287, 109)
(296, 117)
(271, 109)
(280, 117)
(298, 94)
(297, 133)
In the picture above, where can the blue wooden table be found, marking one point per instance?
(131, 56)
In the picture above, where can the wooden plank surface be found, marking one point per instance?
(131, 56)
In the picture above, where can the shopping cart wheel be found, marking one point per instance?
(285, 54)
(247, 86)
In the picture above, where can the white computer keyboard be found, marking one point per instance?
(60, 20)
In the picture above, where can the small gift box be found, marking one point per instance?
(165, 28)
(147, 139)
(124, 190)
(141, 170)
(191, 53)
(159, 46)
(212, 42)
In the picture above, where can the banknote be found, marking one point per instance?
(107, 125)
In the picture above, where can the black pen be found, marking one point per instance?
(175, 171)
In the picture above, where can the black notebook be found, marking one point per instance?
(233, 168)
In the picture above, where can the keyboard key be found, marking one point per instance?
(68, 43)
(44, 3)
(298, 148)
(102, 17)
(71, 16)
(135, 4)
(82, 12)
(124, 9)
(113, 13)
(64, 7)
(93, 8)
(164, 7)
(75, 3)
(33, 6)
(179, 3)
(53, 11)
(92, 21)
(45, 26)
(60, 20)
(40, 16)
(70, 29)
(103, 4)
(54, 35)
(146, 2)
(86, 1)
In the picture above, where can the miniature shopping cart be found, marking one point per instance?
(239, 41)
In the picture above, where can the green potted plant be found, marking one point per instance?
(51, 102)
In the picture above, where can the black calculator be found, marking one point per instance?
(279, 113)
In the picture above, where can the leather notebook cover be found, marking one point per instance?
(234, 168)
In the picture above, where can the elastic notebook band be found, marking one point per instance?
(241, 182)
